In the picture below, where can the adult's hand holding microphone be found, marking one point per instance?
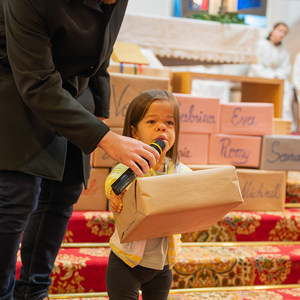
(128, 176)
(129, 151)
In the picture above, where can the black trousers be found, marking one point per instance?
(124, 282)
(44, 228)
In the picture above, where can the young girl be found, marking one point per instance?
(146, 265)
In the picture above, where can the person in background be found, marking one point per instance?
(55, 96)
(273, 61)
(146, 265)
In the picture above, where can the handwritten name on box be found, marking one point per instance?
(247, 118)
(198, 114)
(100, 159)
(193, 148)
(262, 190)
(280, 152)
(124, 88)
(236, 150)
(94, 198)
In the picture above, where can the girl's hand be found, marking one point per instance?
(116, 202)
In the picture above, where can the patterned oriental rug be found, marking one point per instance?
(251, 226)
(274, 294)
(77, 270)
(237, 266)
(98, 226)
(82, 270)
(293, 187)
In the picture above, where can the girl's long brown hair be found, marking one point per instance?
(138, 108)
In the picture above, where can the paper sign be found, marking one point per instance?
(193, 148)
(280, 152)
(198, 114)
(262, 190)
(124, 88)
(235, 150)
(247, 118)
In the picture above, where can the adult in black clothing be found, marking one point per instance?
(54, 95)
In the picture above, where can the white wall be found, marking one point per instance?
(287, 11)
(151, 7)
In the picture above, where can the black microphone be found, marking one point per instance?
(128, 176)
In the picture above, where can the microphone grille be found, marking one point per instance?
(159, 145)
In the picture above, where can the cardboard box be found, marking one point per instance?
(234, 150)
(247, 118)
(205, 167)
(193, 148)
(198, 114)
(184, 202)
(280, 152)
(100, 159)
(134, 70)
(262, 190)
(94, 198)
(124, 88)
(282, 127)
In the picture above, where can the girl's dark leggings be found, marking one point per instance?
(124, 282)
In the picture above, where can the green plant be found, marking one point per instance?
(220, 17)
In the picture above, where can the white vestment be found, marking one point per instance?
(274, 61)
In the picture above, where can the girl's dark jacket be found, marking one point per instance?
(54, 56)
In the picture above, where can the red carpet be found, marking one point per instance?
(237, 266)
(90, 227)
(83, 270)
(97, 227)
(272, 294)
(277, 294)
(78, 270)
(293, 187)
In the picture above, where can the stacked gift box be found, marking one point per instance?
(211, 135)
(240, 134)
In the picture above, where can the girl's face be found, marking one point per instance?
(158, 123)
(278, 33)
